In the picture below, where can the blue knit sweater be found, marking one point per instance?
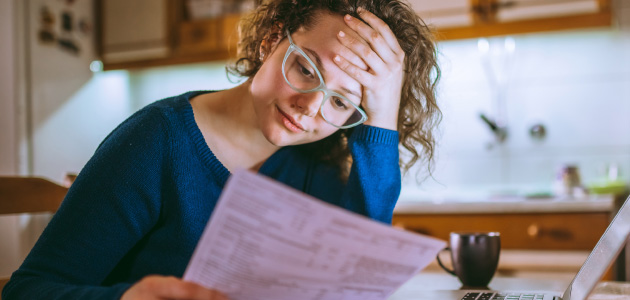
(140, 204)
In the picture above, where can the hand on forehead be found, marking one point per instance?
(326, 29)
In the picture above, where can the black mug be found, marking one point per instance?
(475, 256)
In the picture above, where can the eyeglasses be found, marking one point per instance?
(303, 76)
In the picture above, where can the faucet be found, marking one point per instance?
(500, 132)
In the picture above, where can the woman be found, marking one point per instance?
(331, 92)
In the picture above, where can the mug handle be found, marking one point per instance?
(440, 262)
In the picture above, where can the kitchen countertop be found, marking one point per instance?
(415, 203)
(425, 282)
(439, 280)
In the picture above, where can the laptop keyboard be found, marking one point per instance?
(502, 296)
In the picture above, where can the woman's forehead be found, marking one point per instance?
(323, 32)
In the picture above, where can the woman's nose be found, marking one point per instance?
(308, 104)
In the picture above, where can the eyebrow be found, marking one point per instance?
(318, 62)
(351, 92)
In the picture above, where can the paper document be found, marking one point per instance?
(266, 240)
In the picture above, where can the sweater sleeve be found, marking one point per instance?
(112, 204)
(374, 181)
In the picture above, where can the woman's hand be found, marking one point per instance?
(163, 287)
(383, 79)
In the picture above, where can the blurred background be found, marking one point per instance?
(535, 93)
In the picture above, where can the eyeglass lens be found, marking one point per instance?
(301, 75)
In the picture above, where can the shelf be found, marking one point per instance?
(174, 60)
(593, 20)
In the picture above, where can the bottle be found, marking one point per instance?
(568, 182)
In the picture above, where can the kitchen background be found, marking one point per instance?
(55, 111)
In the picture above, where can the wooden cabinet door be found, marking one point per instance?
(536, 231)
(199, 36)
(134, 30)
(212, 35)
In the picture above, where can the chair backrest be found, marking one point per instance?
(29, 195)
(3, 282)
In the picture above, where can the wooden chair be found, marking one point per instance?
(29, 195)
(3, 282)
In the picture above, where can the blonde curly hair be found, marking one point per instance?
(418, 115)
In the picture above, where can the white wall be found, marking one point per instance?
(157, 83)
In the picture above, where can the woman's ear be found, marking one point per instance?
(263, 50)
(270, 41)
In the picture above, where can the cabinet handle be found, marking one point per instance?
(400, 225)
(533, 231)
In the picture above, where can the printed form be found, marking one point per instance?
(268, 241)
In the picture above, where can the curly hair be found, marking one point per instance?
(418, 115)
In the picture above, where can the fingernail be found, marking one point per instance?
(342, 34)
(348, 18)
(337, 58)
(360, 9)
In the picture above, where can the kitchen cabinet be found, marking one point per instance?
(461, 19)
(149, 33)
(217, 35)
(532, 231)
(135, 30)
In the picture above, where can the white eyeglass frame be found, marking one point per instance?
(322, 86)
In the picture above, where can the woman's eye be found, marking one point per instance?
(306, 72)
(339, 103)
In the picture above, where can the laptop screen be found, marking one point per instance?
(602, 256)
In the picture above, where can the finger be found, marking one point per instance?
(194, 291)
(363, 77)
(373, 38)
(175, 288)
(382, 28)
(352, 57)
(363, 51)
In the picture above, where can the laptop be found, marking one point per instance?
(602, 256)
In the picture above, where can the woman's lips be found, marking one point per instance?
(289, 122)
